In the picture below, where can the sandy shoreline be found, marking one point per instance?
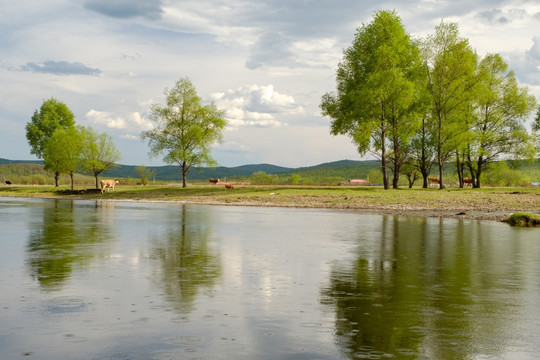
(409, 210)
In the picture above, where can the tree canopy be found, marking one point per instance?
(98, 153)
(377, 90)
(184, 129)
(432, 100)
(52, 115)
(62, 153)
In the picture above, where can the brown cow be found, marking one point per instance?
(467, 181)
(108, 184)
(229, 186)
(433, 180)
(213, 181)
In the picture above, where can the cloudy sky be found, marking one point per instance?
(266, 62)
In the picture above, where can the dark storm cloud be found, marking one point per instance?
(60, 68)
(126, 9)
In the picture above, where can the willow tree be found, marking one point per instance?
(499, 126)
(377, 88)
(450, 65)
(184, 129)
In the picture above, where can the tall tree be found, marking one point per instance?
(184, 129)
(62, 152)
(450, 64)
(376, 90)
(98, 153)
(499, 126)
(52, 115)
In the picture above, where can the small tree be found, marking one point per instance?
(412, 174)
(62, 152)
(52, 115)
(98, 153)
(184, 128)
(144, 174)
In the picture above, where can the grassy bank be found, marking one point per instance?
(486, 203)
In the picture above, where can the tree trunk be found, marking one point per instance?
(71, 176)
(56, 178)
(97, 182)
(459, 168)
(441, 175)
(425, 181)
(480, 165)
(184, 173)
(384, 164)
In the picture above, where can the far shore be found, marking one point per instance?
(477, 204)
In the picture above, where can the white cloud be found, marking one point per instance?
(256, 105)
(232, 147)
(132, 122)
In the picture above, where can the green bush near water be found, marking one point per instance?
(523, 219)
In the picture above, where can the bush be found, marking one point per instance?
(501, 175)
(262, 178)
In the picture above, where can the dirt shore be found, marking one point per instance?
(476, 204)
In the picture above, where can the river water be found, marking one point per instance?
(129, 280)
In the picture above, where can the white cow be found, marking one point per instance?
(108, 184)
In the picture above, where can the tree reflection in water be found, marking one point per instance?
(187, 262)
(64, 238)
(424, 289)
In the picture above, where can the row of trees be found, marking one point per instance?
(66, 147)
(429, 101)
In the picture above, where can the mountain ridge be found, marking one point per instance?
(170, 173)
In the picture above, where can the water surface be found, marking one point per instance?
(127, 280)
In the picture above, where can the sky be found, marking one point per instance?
(267, 63)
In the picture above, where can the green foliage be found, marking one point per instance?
(62, 152)
(52, 115)
(375, 176)
(98, 153)
(378, 88)
(262, 178)
(184, 128)
(523, 219)
(35, 174)
(502, 108)
(450, 65)
(144, 174)
(501, 175)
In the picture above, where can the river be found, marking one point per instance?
(132, 280)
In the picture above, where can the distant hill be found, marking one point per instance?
(172, 173)
(9, 162)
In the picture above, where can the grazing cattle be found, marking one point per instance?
(229, 186)
(7, 182)
(108, 184)
(433, 180)
(467, 181)
(213, 181)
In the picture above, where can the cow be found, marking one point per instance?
(433, 180)
(229, 186)
(213, 181)
(108, 184)
(7, 182)
(467, 181)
